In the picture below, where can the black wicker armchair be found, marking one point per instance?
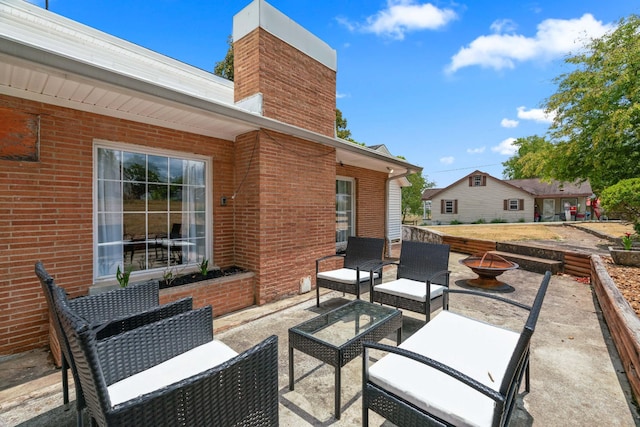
(361, 255)
(171, 373)
(455, 370)
(422, 275)
(109, 313)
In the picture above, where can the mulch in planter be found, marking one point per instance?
(197, 277)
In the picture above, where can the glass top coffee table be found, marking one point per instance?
(336, 337)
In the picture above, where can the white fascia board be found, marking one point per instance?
(39, 28)
(261, 14)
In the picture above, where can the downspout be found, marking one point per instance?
(386, 210)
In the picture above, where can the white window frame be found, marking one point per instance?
(513, 204)
(153, 272)
(341, 245)
(477, 180)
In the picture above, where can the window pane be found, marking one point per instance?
(344, 212)
(158, 171)
(152, 211)
(109, 164)
(135, 167)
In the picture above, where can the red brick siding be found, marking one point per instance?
(46, 210)
(296, 88)
(370, 199)
(286, 206)
(225, 294)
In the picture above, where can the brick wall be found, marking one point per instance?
(46, 210)
(286, 206)
(225, 294)
(296, 88)
(370, 199)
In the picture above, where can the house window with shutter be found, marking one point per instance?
(514, 204)
(449, 206)
(477, 181)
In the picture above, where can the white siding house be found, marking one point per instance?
(479, 197)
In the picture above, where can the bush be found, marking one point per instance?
(623, 200)
(479, 221)
(455, 222)
(498, 221)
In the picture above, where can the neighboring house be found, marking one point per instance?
(479, 197)
(113, 156)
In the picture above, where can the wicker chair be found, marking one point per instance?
(109, 313)
(361, 254)
(421, 271)
(455, 370)
(172, 372)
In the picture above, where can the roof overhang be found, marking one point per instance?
(51, 59)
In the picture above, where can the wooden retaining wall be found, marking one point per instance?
(577, 264)
(468, 246)
(622, 321)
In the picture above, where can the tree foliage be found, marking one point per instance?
(341, 126)
(529, 161)
(623, 199)
(596, 129)
(224, 68)
(412, 196)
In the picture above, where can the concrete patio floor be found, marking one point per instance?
(576, 376)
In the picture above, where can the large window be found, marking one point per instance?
(345, 212)
(151, 210)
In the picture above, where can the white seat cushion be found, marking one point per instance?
(185, 365)
(345, 275)
(410, 289)
(477, 349)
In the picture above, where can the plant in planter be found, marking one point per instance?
(626, 255)
(204, 267)
(123, 278)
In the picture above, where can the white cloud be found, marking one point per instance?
(554, 38)
(447, 160)
(401, 17)
(508, 123)
(506, 147)
(342, 95)
(503, 26)
(535, 114)
(475, 150)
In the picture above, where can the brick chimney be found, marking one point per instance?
(283, 70)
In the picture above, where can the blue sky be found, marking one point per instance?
(446, 84)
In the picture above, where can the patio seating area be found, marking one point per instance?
(576, 377)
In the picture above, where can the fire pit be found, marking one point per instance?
(488, 267)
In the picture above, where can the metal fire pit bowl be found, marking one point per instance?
(488, 267)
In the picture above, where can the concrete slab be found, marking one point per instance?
(576, 377)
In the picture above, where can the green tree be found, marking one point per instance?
(412, 196)
(224, 68)
(529, 161)
(623, 199)
(341, 126)
(597, 111)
